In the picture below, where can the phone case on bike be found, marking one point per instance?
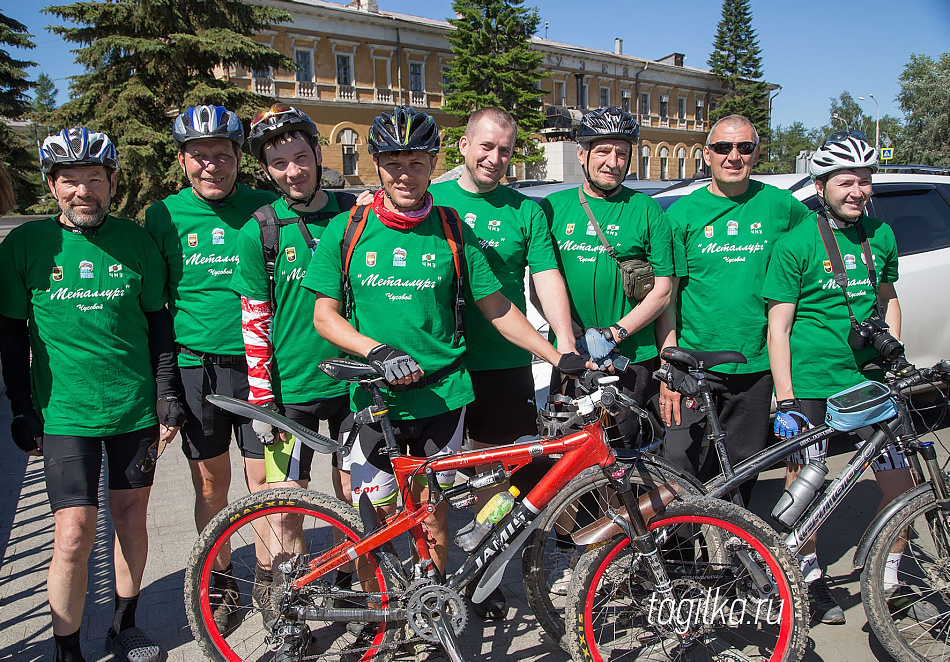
(866, 403)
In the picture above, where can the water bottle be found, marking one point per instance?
(486, 519)
(799, 494)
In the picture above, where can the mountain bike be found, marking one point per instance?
(399, 602)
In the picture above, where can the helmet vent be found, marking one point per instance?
(95, 147)
(204, 116)
(75, 144)
(56, 149)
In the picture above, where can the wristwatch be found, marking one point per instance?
(620, 333)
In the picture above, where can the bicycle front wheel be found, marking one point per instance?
(908, 608)
(737, 592)
(242, 616)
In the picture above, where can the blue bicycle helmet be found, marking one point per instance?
(77, 146)
(207, 122)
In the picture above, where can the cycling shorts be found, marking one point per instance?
(292, 460)
(504, 408)
(371, 472)
(814, 410)
(207, 432)
(73, 465)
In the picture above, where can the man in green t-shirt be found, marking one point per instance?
(196, 231)
(810, 319)
(402, 293)
(724, 235)
(84, 292)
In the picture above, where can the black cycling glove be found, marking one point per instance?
(391, 363)
(24, 429)
(572, 364)
(170, 412)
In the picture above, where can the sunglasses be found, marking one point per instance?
(725, 147)
(273, 111)
(152, 453)
(838, 136)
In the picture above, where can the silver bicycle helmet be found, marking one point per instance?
(844, 150)
(77, 146)
(604, 123)
(207, 122)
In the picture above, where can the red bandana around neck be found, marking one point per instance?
(401, 220)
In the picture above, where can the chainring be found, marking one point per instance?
(434, 600)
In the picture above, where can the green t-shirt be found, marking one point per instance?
(514, 234)
(199, 243)
(403, 290)
(721, 249)
(86, 298)
(296, 376)
(822, 361)
(636, 227)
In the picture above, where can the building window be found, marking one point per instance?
(604, 97)
(681, 163)
(446, 83)
(582, 102)
(664, 105)
(664, 163)
(559, 95)
(699, 110)
(699, 164)
(681, 108)
(645, 162)
(625, 100)
(347, 138)
(304, 60)
(415, 77)
(645, 104)
(344, 69)
(261, 73)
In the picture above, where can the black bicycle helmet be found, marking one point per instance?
(207, 122)
(405, 130)
(610, 122)
(275, 121)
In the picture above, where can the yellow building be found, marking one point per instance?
(356, 61)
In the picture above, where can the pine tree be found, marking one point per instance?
(15, 153)
(736, 60)
(44, 103)
(494, 66)
(147, 60)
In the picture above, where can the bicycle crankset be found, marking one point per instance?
(433, 606)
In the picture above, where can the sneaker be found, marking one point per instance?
(564, 560)
(824, 608)
(225, 603)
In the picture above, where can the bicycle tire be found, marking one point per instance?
(542, 562)
(912, 620)
(616, 614)
(323, 521)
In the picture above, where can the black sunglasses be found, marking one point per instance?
(152, 453)
(724, 147)
(838, 136)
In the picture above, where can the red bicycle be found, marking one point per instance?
(676, 550)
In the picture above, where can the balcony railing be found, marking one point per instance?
(384, 95)
(306, 89)
(417, 98)
(346, 93)
(263, 86)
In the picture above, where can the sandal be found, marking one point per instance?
(132, 645)
(492, 608)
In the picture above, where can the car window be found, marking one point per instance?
(918, 214)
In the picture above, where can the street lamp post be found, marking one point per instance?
(836, 116)
(771, 99)
(877, 123)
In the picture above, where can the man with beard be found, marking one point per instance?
(85, 293)
(196, 231)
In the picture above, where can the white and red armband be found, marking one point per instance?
(257, 318)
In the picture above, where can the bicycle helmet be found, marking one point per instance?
(844, 150)
(603, 123)
(275, 121)
(207, 122)
(405, 130)
(77, 146)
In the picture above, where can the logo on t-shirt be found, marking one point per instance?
(85, 269)
(115, 270)
(370, 258)
(494, 225)
(57, 273)
(291, 253)
(708, 231)
(864, 260)
(428, 259)
(569, 229)
(613, 229)
(756, 228)
(732, 228)
(399, 257)
(470, 219)
(850, 262)
(590, 230)
(827, 266)
(217, 236)
(193, 239)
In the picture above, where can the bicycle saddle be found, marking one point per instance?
(346, 370)
(690, 358)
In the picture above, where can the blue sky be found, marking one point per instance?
(814, 49)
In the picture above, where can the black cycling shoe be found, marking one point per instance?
(824, 607)
(492, 608)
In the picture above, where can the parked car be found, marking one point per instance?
(645, 186)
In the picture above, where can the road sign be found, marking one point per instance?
(887, 153)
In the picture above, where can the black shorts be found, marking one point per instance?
(207, 432)
(74, 464)
(504, 408)
(292, 461)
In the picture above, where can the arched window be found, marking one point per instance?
(644, 162)
(664, 163)
(347, 138)
(681, 163)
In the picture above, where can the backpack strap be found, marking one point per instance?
(354, 228)
(266, 217)
(451, 225)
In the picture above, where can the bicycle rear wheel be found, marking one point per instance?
(737, 593)
(910, 615)
(283, 529)
(549, 556)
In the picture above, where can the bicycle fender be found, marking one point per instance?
(874, 530)
(307, 436)
(496, 569)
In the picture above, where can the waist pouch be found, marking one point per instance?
(868, 402)
(638, 278)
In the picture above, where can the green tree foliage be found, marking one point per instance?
(44, 103)
(925, 88)
(850, 114)
(787, 143)
(145, 61)
(494, 66)
(15, 152)
(736, 60)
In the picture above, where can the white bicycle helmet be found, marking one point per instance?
(844, 150)
(207, 122)
(77, 146)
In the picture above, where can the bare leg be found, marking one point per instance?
(73, 538)
(128, 509)
(212, 480)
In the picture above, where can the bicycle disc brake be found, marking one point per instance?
(432, 602)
